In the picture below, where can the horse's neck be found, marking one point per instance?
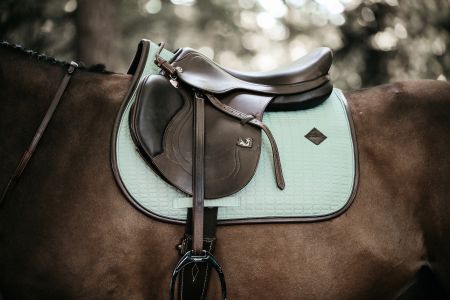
(26, 89)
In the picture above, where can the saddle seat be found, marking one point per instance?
(309, 67)
(305, 74)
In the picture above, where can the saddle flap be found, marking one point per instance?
(303, 75)
(162, 125)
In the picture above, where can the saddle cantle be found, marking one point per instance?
(199, 126)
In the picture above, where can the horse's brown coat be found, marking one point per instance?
(67, 232)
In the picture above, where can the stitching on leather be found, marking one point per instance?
(180, 117)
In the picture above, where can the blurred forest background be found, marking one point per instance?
(374, 41)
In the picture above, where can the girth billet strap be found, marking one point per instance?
(40, 131)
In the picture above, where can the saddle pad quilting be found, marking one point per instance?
(320, 179)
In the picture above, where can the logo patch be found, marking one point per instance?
(315, 136)
(245, 142)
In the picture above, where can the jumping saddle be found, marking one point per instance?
(198, 125)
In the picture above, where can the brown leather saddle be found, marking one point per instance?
(199, 125)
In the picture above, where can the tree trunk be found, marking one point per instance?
(97, 37)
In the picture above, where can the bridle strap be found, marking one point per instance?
(40, 131)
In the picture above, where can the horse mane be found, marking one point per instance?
(98, 68)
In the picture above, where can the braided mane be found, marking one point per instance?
(50, 60)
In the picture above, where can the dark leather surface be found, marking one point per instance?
(155, 114)
(162, 117)
(198, 173)
(313, 65)
(228, 167)
(306, 74)
(301, 101)
(195, 278)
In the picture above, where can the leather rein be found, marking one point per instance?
(40, 131)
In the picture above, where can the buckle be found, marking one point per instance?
(72, 66)
(165, 66)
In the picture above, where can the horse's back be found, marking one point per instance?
(73, 234)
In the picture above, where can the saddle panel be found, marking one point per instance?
(301, 101)
(162, 124)
(195, 69)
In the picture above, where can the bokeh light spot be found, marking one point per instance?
(265, 20)
(70, 6)
(274, 7)
(183, 2)
(153, 6)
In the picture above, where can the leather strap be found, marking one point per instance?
(164, 64)
(171, 72)
(195, 263)
(194, 278)
(198, 172)
(195, 275)
(40, 131)
(255, 122)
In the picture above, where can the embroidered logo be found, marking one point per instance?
(245, 142)
(315, 136)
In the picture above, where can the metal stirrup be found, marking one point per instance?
(191, 258)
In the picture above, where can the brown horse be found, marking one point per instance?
(67, 231)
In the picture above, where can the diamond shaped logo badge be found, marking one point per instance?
(315, 136)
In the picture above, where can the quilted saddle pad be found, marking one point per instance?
(321, 179)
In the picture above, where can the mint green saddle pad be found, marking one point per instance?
(321, 180)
